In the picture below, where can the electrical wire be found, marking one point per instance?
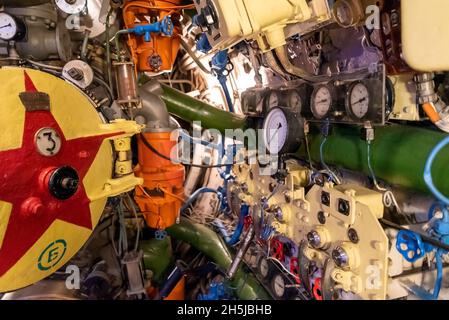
(154, 150)
(43, 65)
(108, 47)
(333, 175)
(143, 4)
(306, 138)
(424, 237)
(388, 197)
(133, 209)
(428, 171)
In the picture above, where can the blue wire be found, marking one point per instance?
(428, 172)
(196, 194)
(439, 279)
(244, 210)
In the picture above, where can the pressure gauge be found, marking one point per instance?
(295, 101)
(8, 26)
(347, 13)
(263, 268)
(322, 101)
(71, 6)
(278, 286)
(272, 100)
(282, 131)
(358, 100)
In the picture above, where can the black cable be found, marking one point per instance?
(153, 149)
(425, 238)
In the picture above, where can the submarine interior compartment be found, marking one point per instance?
(224, 150)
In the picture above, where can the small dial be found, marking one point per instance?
(322, 101)
(278, 286)
(272, 100)
(275, 130)
(295, 101)
(358, 100)
(264, 268)
(344, 13)
(8, 26)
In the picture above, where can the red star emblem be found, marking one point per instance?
(24, 183)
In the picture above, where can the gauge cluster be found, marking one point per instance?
(366, 95)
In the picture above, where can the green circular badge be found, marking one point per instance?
(52, 254)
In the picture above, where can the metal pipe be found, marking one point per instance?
(209, 243)
(282, 54)
(240, 253)
(399, 154)
(197, 60)
(191, 109)
(154, 112)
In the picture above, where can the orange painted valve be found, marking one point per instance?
(159, 53)
(162, 194)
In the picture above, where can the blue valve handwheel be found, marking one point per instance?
(410, 245)
(167, 27)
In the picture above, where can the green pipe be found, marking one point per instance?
(209, 243)
(157, 257)
(398, 156)
(191, 109)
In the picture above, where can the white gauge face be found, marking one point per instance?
(359, 100)
(275, 131)
(321, 102)
(8, 26)
(71, 6)
(263, 268)
(295, 101)
(279, 285)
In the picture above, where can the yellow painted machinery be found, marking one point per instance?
(58, 169)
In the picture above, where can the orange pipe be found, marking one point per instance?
(430, 111)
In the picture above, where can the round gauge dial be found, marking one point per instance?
(344, 13)
(295, 101)
(358, 100)
(264, 268)
(8, 26)
(322, 100)
(278, 286)
(275, 130)
(282, 131)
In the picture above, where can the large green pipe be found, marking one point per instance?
(399, 154)
(208, 242)
(191, 109)
(157, 257)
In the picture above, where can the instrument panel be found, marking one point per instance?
(346, 98)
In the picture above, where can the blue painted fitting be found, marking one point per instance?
(165, 27)
(203, 44)
(217, 291)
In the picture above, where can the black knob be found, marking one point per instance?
(63, 183)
